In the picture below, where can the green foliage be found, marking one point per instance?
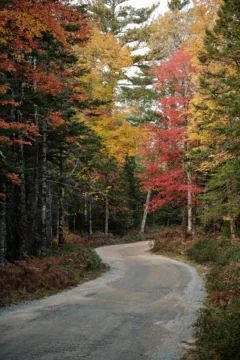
(205, 250)
(69, 248)
(115, 15)
(221, 197)
(177, 4)
(94, 262)
(230, 255)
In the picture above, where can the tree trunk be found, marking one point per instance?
(44, 191)
(85, 213)
(49, 213)
(3, 228)
(61, 201)
(233, 229)
(74, 223)
(144, 218)
(34, 213)
(21, 201)
(189, 204)
(106, 215)
(90, 216)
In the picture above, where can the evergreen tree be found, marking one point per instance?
(177, 4)
(114, 16)
(219, 111)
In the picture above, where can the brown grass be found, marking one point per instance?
(33, 277)
(171, 240)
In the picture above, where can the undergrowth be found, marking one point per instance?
(33, 278)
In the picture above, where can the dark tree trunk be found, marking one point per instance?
(61, 201)
(36, 179)
(49, 212)
(3, 228)
(85, 213)
(44, 191)
(21, 201)
(106, 215)
(90, 216)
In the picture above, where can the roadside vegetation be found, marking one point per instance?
(34, 278)
(218, 326)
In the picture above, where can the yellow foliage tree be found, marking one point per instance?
(104, 60)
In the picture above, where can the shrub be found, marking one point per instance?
(94, 262)
(205, 250)
(219, 334)
(69, 248)
(230, 255)
(171, 240)
(225, 285)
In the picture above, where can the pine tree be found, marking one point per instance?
(115, 15)
(218, 111)
(177, 4)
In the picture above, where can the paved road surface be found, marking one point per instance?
(140, 310)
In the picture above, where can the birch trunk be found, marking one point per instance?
(3, 228)
(44, 191)
(144, 218)
(233, 229)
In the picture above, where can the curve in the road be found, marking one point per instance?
(143, 308)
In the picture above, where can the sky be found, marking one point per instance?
(145, 3)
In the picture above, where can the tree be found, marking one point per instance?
(168, 170)
(168, 32)
(36, 44)
(217, 110)
(177, 4)
(114, 16)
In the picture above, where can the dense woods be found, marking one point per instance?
(108, 112)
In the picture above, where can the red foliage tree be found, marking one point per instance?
(165, 153)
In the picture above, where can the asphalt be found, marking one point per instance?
(144, 308)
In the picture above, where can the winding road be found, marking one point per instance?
(143, 308)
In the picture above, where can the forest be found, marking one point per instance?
(109, 113)
(115, 119)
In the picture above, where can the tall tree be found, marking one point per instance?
(36, 43)
(168, 170)
(217, 107)
(114, 16)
